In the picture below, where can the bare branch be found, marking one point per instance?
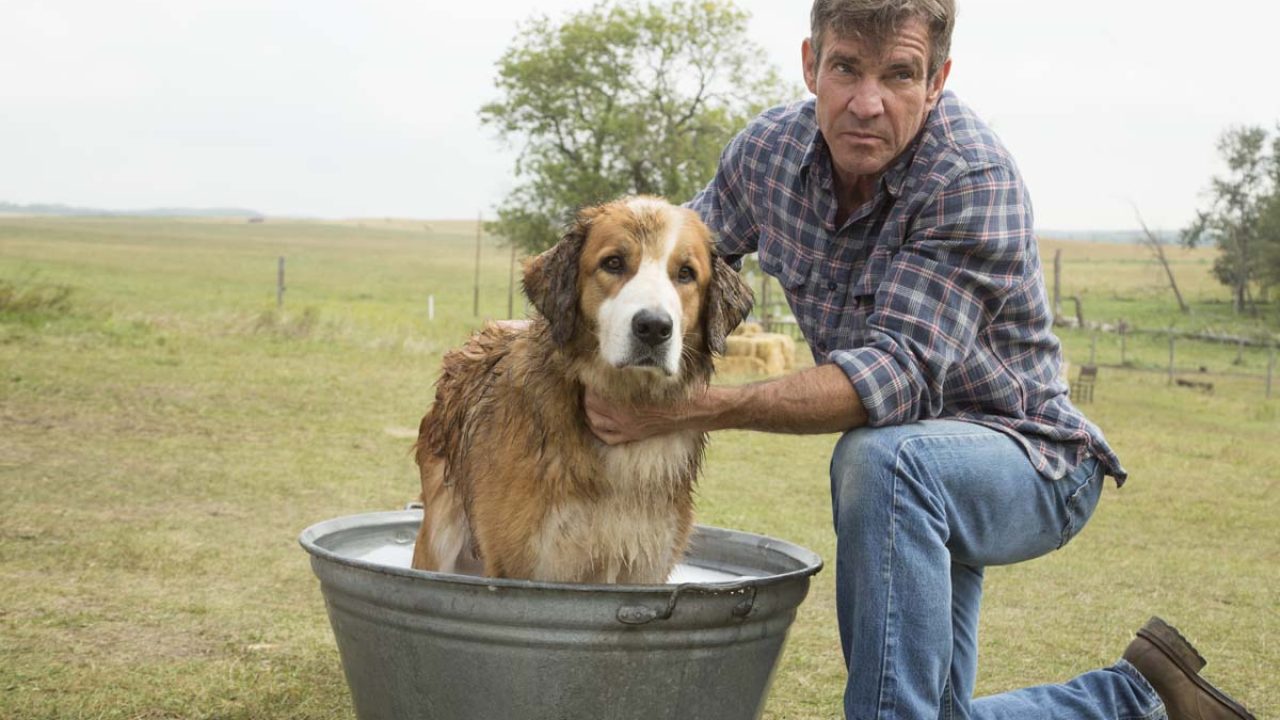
(1156, 245)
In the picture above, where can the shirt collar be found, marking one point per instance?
(896, 176)
(816, 153)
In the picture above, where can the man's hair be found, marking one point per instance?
(876, 21)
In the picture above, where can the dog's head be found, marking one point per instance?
(640, 275)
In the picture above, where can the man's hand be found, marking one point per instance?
(617, 424)
(815, 400)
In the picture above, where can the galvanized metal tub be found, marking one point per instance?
(416, 644)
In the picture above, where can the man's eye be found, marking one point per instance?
(613, 264)
(687, 275)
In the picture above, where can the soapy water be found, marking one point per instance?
(398, 554)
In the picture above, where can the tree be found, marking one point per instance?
(1238, 204)
(1269, 222)
(622, 99)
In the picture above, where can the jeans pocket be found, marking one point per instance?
(1083, 491)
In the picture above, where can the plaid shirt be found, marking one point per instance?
(930, 296)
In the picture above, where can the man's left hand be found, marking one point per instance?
(618, 424)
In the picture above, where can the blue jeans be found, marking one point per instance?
(919, 511)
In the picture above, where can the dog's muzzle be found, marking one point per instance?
(651, 328)
(651, 344)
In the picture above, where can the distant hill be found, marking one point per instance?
(8, 208)
(1121, 237)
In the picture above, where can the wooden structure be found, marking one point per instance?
(1082, 386)
(1194, 384)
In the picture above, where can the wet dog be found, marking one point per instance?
(632, 303)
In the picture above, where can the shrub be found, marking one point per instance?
(31, 301)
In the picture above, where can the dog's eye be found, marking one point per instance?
(687, 275)
(613, 264)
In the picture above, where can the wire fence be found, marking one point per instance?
(1192, 360)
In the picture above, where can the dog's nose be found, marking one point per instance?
(651, 328)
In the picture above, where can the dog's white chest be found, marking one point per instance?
(649, 465)
(629, 532)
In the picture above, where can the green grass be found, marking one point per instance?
(166, 432)
(1124, 282)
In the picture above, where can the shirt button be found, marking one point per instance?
(822, 346)
(832, 286)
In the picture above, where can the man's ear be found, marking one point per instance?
(938, 82)
(810, 61)
(729, 301)
(551, 280)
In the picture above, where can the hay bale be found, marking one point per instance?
(770, 353)
(775, 354)
(777, 351)
(740, 365)
(748, 329)
(738, 345)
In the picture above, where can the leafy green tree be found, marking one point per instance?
(622, 98)
(1269, 222)
(1235, 217)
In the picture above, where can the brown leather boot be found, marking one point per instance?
(1172, 666)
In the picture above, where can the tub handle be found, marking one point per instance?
(746, 604)
(637, 614)
(643, 614)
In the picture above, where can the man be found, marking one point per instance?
(901, 232)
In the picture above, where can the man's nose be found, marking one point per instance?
(868, 99)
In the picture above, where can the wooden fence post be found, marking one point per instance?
(475, 307)
(1057, 284)
(1079, 310)
(766, 316)
(511, 285)
(1271, 370)
(431, 308)
(280, 284)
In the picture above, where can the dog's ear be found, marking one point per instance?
(729, 301)
(551, 280)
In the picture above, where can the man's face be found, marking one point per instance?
(872, 100)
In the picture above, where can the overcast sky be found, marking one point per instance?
(340, 109)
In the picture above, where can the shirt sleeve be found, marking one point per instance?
(724, 207)
(966, 253)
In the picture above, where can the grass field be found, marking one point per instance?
(165, 433)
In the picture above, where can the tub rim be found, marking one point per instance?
(812, 562)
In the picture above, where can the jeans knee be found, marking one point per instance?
(862, 465)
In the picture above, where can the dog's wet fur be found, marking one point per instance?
(632, 303)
